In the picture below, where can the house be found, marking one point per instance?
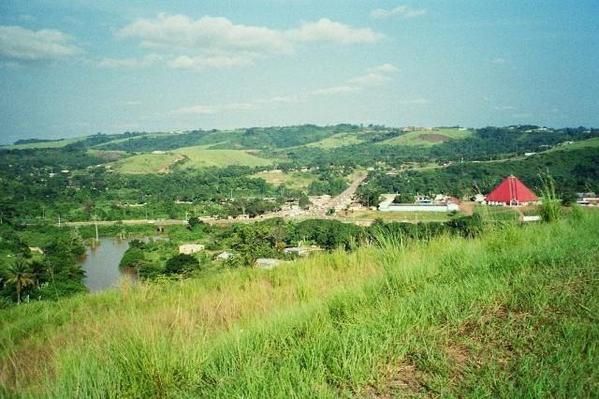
(511, 192)
(223, 256)
(587, 199)
(189, 249)
(266, 263)
(479, 198)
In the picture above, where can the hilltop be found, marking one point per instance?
(510, 313)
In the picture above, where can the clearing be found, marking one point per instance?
(429, 137)
(295, 180)
(190, 158)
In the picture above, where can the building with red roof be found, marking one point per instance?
(511, 192)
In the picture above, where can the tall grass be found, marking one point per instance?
(550, 208)
(512, 314)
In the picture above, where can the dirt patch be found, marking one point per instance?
(433, 138)
(403, 380)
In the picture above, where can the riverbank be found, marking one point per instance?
(510, 314)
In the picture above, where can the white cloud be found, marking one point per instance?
(202, 62)
(325, 30)
(217, 42)
(180, 31)
(399, 11)
(415, 101)
(213, 109)
(385, 68)
(145, 61)
(375, 76)
(504, 108)
(196, 110)
(22, 44)
(334, 90)
(499, 61)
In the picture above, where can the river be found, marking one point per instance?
(101, 265)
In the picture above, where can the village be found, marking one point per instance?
(511, 193)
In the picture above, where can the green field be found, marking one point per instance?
(188, 158)
(146, 163)
(577, 145)
(510, 314)
(200, 157)
(428, 137)
(296, 180)
(337, 140)
(44, 144)
(411, 217)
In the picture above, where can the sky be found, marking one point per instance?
(77, 67)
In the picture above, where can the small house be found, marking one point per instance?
(190, 249)
(266, 263)
(223, 256)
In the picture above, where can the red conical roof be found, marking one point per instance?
(511, 190)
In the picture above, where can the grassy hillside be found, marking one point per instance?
(189, 158)
(338, 140)
(297, 180)
(199, 157)
(511, 314)
(147, 163)
(429, 137)
(43, 144)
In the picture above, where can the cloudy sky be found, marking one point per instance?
(76, 67)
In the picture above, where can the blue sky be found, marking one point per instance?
(71, 68)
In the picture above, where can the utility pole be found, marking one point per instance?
(58, 220)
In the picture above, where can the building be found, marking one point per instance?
(422, 203)
(223, 256)
(587, 199)
(189, 249)
(266, 263)
(511, 192)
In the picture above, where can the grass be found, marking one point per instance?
(295, 180)
(511, 314)
(429, 137)
(577, 145)
(189, 158)
(398, 216)
(43, 144)
(335, 141)
(147, 163)
(199, 157)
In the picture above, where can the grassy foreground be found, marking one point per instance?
(512, 314)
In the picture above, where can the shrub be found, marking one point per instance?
(181, 263)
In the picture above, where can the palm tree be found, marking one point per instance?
(19, 275)
(38, 272)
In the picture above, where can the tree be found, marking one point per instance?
(304, 202)
(181, 263)
(19, 274)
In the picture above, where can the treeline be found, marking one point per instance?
(252, 138)
(269, 238)
(572, 170)
(489, 143)
(27, 274)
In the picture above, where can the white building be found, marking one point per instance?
(189, 249)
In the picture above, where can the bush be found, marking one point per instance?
(181, 263)
(132, 257)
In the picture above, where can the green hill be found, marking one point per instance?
(509, 314)
(429, 137)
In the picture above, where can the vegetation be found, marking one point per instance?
(507, 314)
